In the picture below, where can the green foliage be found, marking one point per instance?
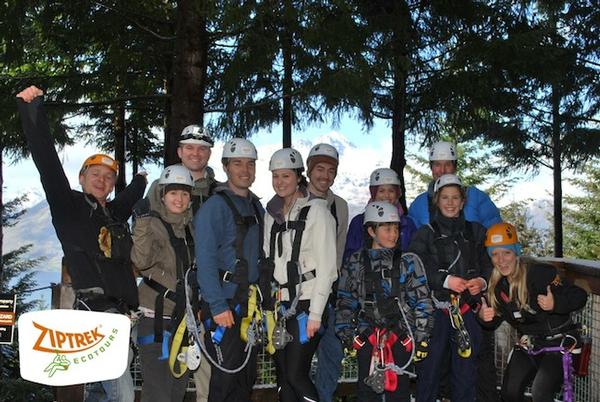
(582, 216)
(18, 389)
(535, 241)
(18, 277)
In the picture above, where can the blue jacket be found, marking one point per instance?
(216, 231)
(355, 239)
(478, 208)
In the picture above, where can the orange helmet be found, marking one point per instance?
(100, 159)
(502, 235)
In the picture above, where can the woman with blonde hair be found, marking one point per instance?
(533, 298)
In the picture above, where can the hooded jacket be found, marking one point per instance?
(317, 250)
(152, 253)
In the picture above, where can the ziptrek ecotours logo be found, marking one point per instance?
(82, 347)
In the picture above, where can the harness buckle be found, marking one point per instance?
(227, 276)
(386, 273)
(166, 294)
(368, 303)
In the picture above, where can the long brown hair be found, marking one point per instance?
(517, 290)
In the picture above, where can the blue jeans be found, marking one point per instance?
(330, 354)
(117, 390)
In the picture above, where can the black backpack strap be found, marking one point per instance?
(431, 207)
(468, 233)
(333, 210)
(261, 229)
(243, 224)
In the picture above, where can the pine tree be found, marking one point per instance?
(18, 277)
(535, 241)
(582, 216)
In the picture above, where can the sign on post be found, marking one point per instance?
(67, 347)
(8, 309)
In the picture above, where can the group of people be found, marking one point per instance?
(410, 291)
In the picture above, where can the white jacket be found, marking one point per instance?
(317, 251)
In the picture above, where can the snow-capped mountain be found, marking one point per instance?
(356, 164)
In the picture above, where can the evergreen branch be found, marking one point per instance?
(541, 162)
(106, 101)
(136, 22)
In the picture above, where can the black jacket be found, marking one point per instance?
(79, 219)
(451, 246)
(532, 320)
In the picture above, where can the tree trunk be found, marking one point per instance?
(120, 144)
(557, 172)
(1, 213)
(286, 49)
(189, 73)
(399, 133)
(401, 63)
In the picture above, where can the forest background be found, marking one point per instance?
(516, 84)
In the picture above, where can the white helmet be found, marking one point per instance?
(286, 158)
(442, 151)
(381, 212)
(384, 176)
(324, 150)
(446, 180)
(195, 134)
(176, 174)
(239, 148)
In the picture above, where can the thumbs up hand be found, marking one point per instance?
(486, 313)
(546, 302)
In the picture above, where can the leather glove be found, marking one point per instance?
(421, 351)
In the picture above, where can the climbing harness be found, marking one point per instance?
(280, 336)
(380, 311)
(247, 299)
(567, 363)
(463, 340)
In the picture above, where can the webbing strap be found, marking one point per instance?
(243, 224)
(253, 313)
(181, 367)
(372, 292)
(293, 276)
